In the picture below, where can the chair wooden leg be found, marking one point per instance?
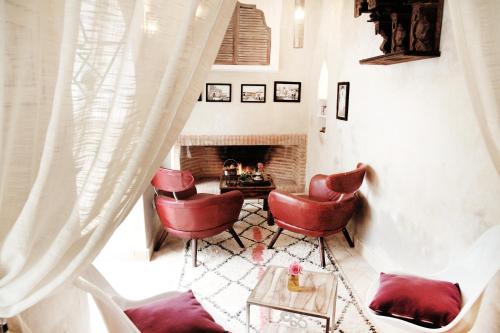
(236, 237)
(275, 238)
(347, 237)
(3, 325)
(159, 241)
(270, 218)
(194, 251)
(322, 251)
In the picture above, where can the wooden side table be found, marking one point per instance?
(253, 192)
(317, 300)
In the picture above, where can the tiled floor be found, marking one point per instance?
(123, 268)
(357, 270)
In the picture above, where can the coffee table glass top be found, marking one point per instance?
(316, 299)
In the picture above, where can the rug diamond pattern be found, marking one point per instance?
(226, 274)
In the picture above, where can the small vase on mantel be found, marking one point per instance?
(294, 271)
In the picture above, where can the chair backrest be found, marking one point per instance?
(204, 212)
(347, 182)
(333, 187)
(174, 183)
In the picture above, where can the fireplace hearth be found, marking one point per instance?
(284, 156)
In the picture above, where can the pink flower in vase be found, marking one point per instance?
(294, 269)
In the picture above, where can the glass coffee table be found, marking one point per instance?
(318, 298)
(252, 192)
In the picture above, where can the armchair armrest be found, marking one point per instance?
(309, 214)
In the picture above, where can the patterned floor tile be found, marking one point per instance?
(254, 219)
(231, 292)
(252, 208)
(243, 214)
(210, 285)
(257, 232)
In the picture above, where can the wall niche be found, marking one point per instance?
(411, 29)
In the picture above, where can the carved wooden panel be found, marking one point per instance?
(399, 29)
(425, 33)
(411, 29)
(247, 40)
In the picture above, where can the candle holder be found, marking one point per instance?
(231, 172)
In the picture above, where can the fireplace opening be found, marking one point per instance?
(284, 158)
(247, 156)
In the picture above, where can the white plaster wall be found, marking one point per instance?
(432, 187)
(268, 118)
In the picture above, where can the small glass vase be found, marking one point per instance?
(293, 282)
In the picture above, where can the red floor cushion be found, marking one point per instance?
(178, 314)
(425, 302)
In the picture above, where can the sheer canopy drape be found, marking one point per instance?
(93, 95)
(477, 29)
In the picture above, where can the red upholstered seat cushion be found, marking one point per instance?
(178, 314)
(424, 302)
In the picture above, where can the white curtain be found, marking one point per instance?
(477, 37)
(93, 95)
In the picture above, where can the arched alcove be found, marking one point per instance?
(323, 82)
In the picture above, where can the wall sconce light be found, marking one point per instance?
(323, 96)
(199, 11)
(322, 114)
(298, 24)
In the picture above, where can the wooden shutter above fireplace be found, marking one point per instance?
(247, 40)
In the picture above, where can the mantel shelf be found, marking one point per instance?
(398, 57)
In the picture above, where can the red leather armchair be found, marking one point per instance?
(191, 215)
(326, 210)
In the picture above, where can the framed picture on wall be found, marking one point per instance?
(218, 92)
(342, 100)
(253, 93)
(286, 91)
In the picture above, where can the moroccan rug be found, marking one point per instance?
(226, 274)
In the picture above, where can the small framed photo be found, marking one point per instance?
(285, 91)
(218, 92)
(253, 93)
(200, 98)
(342, 100)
